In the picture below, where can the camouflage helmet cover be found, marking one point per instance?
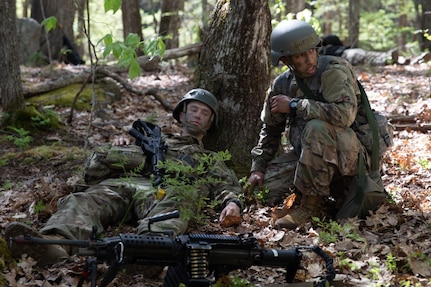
(292, 37)
(200, 95)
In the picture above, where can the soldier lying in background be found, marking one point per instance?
(332, 45)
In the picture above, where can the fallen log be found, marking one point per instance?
(183, 51)
(413, 122)
(70, 75)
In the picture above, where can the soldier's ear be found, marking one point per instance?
(182, 115)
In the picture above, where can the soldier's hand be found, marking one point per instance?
(280, 104)
(230, 215)
(255, 179)
(121, 140)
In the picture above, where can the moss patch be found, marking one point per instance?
(105, 91)
(5, 260)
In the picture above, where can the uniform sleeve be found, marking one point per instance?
(339, 90)
(226, 187)
(273, 125)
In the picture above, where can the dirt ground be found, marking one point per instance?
(391, 247)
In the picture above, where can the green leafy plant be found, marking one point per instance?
(21, 139)
(234, 281)
(331, 231)
(3, 162)
(7, 185)
(125, 52)
(184, 183)
(39, 207)
(256, 194)
(346, 263)
(391, 263)
(424, 163)
(49, 23)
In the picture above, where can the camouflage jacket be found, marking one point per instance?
(123, 161)
(336, 97)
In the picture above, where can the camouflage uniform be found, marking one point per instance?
(319, 132)
(113, 200)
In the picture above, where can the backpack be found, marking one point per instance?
(366, 191)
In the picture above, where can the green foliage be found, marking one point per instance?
(7, 185)
(39, 207)
(424, 163)
(256, 194)
(184, 183)
(391, 263)
(113, 5)
(332, 231)
(234, 281)
(3, 162)
(125, 52)
(374, 271)
(49, 23)
(346, 263)
(46, 119)
(22, 139)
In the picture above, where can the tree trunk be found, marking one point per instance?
(235, 66)
(294, 6)
(131, 18)
(64, 11)
(10, 85)
(170, 22)
(354, 12)
(426, 26)
(131, 15)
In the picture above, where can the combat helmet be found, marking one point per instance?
(292, 37)
(202, 96)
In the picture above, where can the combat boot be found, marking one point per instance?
(309, 207)
(43, 253)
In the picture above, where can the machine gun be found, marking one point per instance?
(199, 259)
(149, 137)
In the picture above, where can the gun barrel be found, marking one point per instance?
(279, 257)
(24, 239)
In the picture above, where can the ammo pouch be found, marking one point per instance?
(110, 161)
(365, 135)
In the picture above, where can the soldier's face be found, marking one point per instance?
(305, 64)
(197, 116)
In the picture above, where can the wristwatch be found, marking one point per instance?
(293, 104)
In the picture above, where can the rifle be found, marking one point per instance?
(149, 137)
(197, 260)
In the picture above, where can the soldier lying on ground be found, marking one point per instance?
(107, 201)
(332, 45)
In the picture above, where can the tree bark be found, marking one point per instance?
(235, 67)
(170, 22)
(354, 13)
(131, 18)
(10, 84)
(64, 11)
(426, 14)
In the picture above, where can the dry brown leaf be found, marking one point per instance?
(230, 220)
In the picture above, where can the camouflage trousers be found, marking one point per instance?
(110, 202)
(328, 156)
(327, 152)
(279, 176)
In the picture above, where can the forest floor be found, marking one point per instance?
(391, 247)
